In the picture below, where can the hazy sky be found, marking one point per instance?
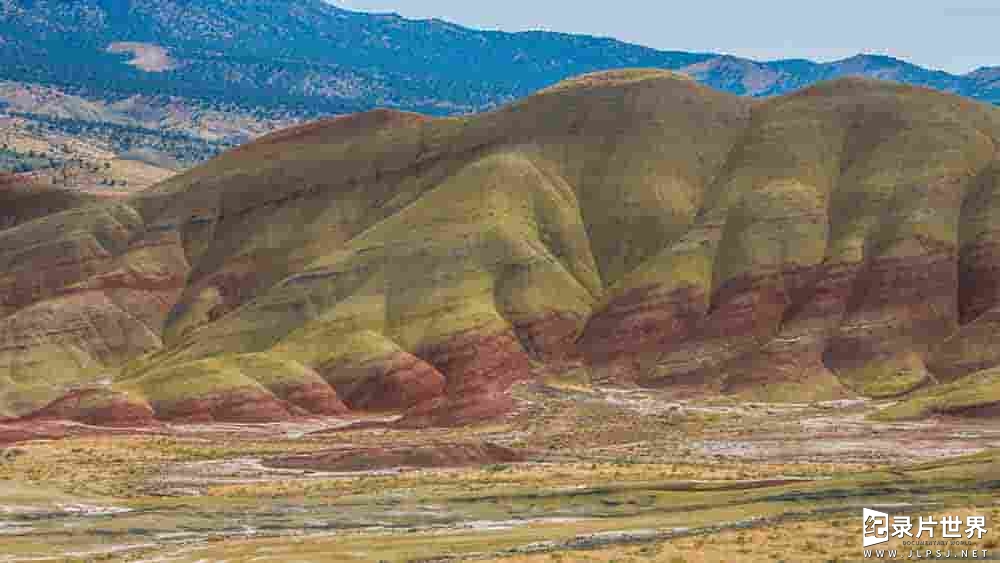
(953, 35)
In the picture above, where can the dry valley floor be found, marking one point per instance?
(577, 473)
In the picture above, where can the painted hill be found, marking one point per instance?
(838, 241)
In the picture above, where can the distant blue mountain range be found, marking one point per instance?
(308, 56)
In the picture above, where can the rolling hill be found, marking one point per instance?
(115, 95)
(639, 226)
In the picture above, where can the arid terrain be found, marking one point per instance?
(578, 473)
(56, 138)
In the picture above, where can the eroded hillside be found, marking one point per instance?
(833, 242)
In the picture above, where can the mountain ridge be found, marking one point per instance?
(106, 96)
(315, 57)
(632, 224)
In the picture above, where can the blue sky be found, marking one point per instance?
(953, 35)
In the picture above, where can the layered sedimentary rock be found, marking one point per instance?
(83, 291)
(838, 241)
(98, 407)
(399, 380)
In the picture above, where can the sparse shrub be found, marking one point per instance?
(497, 468)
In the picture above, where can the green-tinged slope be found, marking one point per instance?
(831, 242)
(81, 292)
(475, 244)
(974, 395)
